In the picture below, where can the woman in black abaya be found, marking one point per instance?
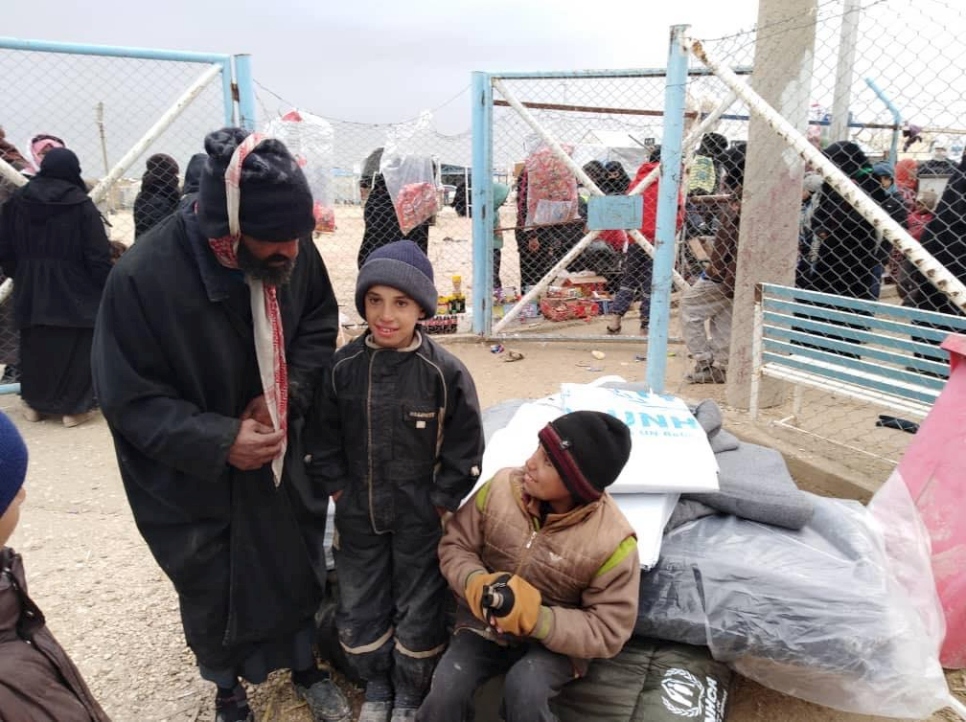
(53, 245)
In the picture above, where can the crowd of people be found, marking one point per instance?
(235, 420)
(840, 252)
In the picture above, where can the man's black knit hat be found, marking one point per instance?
(588, 449)
(401, 265)
(275, 200)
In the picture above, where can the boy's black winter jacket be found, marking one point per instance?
(397, 421)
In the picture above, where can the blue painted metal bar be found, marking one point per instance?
(9, 389)
(111, 51)
(866, 363)
(884, 386)
(783, 313)
(115, 51)
(875, 307)
(247, 114)
(591, 74)
(866, 322)
(896, 117)
(672, 171)
(782, 325)
(482, 203)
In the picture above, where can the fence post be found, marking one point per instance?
(672, 169)
(246, 91)
(772, 197)
(481, 201)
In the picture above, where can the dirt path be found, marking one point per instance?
(116, 613)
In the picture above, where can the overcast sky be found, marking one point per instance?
(346, 59)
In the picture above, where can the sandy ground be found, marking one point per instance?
(117, 615)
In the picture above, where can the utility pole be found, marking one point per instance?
(107, 167)
(772, 195)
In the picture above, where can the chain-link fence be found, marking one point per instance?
(114, 107)
(423, 200)
(880, 99)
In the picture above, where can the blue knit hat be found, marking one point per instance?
(13, 462)
(883, 169)
(401, 265)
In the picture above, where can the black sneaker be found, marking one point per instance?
(325, 700)
(234, 708)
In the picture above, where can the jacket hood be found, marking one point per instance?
(53, 191)
(192, 174)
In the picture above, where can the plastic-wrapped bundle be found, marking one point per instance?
(410, 177)
(551, 188)
(822, 614)
(311, 140)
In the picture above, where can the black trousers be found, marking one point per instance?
(534, 676)
(391, 594)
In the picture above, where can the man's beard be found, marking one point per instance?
(276, 270)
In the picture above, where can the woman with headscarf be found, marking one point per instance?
(192, 179)
(850, 257)
(53, 245)
(907, 181)
(159, 193)
(382, 223)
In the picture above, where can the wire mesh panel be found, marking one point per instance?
(609, 127)
(369, 213)
(885, 111)
(100, 106)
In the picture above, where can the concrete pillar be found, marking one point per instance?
(844, 71)
(771, 202)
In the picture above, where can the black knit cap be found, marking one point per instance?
(276, 203)
(401, 265)
(588, 449)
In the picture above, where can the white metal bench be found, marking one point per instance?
(879, 353)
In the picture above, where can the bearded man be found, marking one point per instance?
(211, 333)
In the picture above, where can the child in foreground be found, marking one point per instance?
(397, 440)
(546, 570)
(38, 681)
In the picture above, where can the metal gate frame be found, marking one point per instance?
(661, 249)
(237, 87)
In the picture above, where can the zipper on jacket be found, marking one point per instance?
(534, 533)
(372, 516)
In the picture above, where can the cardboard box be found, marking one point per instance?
(587, 286)
(565, 310)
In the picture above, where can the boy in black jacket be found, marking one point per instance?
(397, 440)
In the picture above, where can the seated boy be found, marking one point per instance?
(397, 439)
(38, 681)
(546, 570)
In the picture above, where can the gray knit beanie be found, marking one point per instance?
(401, 265)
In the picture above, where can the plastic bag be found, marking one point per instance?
(410, 177)
(822, 614)
(311, 140)
(551, 188)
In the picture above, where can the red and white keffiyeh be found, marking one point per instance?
(266, 315)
